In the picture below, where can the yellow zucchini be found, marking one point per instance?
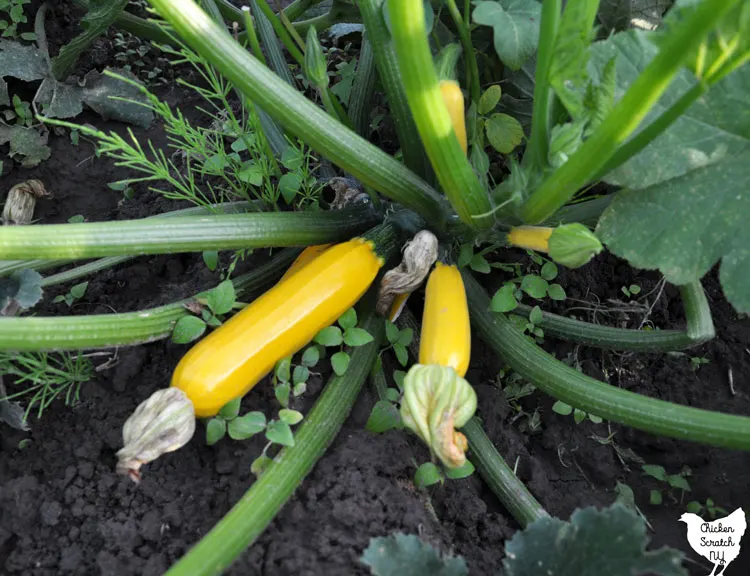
(231, 360)
(308, 254)
(530, 237)
(454, 101)
(446, 330)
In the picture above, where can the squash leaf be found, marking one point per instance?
(406, 555)
(516, 28)
(610, 541)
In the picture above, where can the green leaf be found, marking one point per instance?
(479, 264)
(260, 464)
(357, 337)
(215, 430)
(402, 355)
(461, 472)
(556, 292)
(398, 378)
(22, 289)
(348, 319)
(489, 99)
(615, 536)
(655, 471)
(504, 299)
(427, 475)
(579, 415)
(289, 185)
(211, 259)
(692, 507)
(406, 555)
(79, 290)
(384, 416)
(516, 28)
(291, 417)
(504, 132)
(21, 61)
(570, 54)
(534, 286)
(392, 395)
(340, 363)
(251, 173)
(230, 410)
(27, 145)
(465, 255)
(301, 374)
(221, 298)
(549, 271)
(677, 481)
(112, 98)
(406, 336)
(535, 317)
(187, 329)
(247, 425)
(292, 158)
(283, 369)
(684, 226)
(310, 357)
(655, 498)
(562, 408)
(279, 432)
(330, 336)
(299, 389)
(282, 392)
(392, 332)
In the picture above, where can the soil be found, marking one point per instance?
(64, 511)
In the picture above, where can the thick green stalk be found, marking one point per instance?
(452, 168)
(35, 333)
(700, 328)
(144, 29)
(363, 89)
(366, 162)
(106, 15)
(537, 151)
(472, 70)
(247, 520)
(627, 114)
(390, 76)
(252, 37)
(281, 32)
(594, 397)
(277, 60)
(182, 234)
(500, 477)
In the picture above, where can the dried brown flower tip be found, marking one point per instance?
(21, 202)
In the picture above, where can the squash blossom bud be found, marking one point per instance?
(160, 424)
(573, 245)
(437, 401)
(21, 202)
(420, 254)
(316, 67)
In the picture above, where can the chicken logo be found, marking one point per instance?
(717, 541)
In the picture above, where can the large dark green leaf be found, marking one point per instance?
(687, 224)
(406, 555)
(516, 28)
(594, 542)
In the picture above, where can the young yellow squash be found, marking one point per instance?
(308, 254)
(231, 360)
(530, 237)
(446, 330)
(454, 101)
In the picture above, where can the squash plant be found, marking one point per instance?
(649, 113)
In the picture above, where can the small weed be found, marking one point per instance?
(671, 482)
(697, 361)
(579, 416)
(11, 15)
(630, 291)
(75, 293)
(709, 507)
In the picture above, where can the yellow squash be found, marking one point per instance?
(446, 330)
(530, 237)
(454, 101)
(231, 360)
(308, 254)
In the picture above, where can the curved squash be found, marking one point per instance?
(231, 360)
(446, 330)
(308, 254)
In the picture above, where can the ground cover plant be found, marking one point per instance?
(516, 162)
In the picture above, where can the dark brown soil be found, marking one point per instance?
(64, 511)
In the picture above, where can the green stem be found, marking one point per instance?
(380, 384)
(277, 61)
(182, 234)
(281, 33)
(292, 31)
(472, 69)
(390, 77)
(247, 520)
(363, 89)
(142, 28)
(586, 212)
(299, 7)
(594, 397)
(105, 15)
(34, 333)
(252, 37)
(453, 171)
(299, 116)
(537, 151)
(500, 477)
(700, 328)
(627, 114)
